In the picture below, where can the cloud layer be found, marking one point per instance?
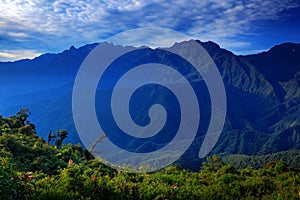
(43, 26)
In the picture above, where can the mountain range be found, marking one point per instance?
(263, 96)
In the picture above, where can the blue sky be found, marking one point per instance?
(29, 28)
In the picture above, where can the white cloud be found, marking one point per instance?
(254, 51)
(236, 18)
(148, 36)
(127, 5)
(77, 22)
(17, 34)
(10, 55)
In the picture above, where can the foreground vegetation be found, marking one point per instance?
(240, 161)
(31, 168)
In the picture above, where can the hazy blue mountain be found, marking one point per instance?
(263, 96)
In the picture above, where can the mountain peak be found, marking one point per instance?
(262, 92)
(285, 48)
(72, 48)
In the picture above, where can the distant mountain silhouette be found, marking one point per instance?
(263, 96)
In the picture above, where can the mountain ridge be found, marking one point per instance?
(262, 93)
(206, 44)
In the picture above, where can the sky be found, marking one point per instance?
(33, 27)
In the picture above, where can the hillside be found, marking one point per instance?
(239, 161)
(31, 168)
(263, 97)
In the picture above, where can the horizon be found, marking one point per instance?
(138, 46)
(28, 28)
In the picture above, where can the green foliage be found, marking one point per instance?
(213, 163)
(58, 136)
(239, 161)
(27, 130)
(23, 114)
(7, 175)
(31, 168)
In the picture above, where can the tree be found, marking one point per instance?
(23, 114)
(99, 139)
(50, 136)
(213, 163)
(58, 143)
(26, 130)
(62, 134)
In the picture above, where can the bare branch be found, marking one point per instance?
(93, 145)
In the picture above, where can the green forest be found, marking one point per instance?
(34, 168)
